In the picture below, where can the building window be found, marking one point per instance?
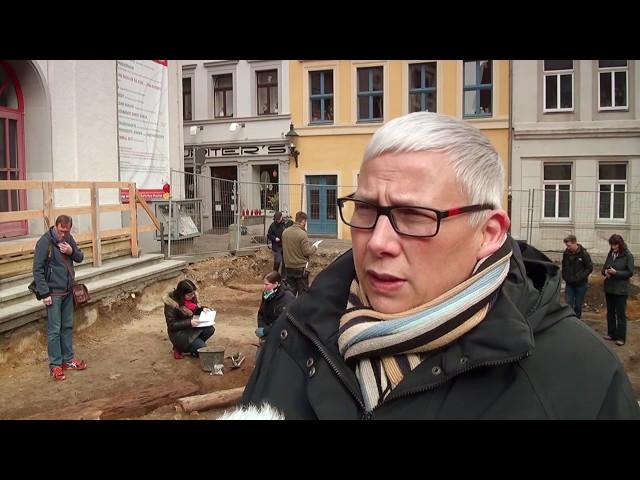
(558, 85)
(612, 187)
(223, 95)
(422, 87)
(557, 190)
(187, 112)
(321, 96)
(370, 94)
(267, 92)
(478, 88)
(613, 80)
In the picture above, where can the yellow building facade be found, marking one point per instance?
(336, 105)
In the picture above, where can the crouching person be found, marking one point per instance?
(181, 310)
(276, 297)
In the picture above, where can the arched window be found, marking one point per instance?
(12, 164)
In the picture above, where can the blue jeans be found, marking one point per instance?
(60, 330)
(574, 295)
(203, 336)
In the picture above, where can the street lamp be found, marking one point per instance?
(292, 138)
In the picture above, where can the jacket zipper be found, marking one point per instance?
(327, 358)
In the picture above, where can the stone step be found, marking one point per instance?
(30, 309)
(10, 294)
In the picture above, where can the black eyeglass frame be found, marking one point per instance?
(386, 211)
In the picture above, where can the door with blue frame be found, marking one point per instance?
(322, 210)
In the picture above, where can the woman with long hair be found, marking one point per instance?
(276, 297)
(181, 311)
(617, 269)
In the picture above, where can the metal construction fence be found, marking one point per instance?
(214, 215)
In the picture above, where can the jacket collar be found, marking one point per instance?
(169, 301)
(528, 302)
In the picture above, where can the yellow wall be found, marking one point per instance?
(337, 149)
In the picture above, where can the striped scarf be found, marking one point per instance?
(389, 346)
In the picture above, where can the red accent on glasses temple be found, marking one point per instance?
(453, 211)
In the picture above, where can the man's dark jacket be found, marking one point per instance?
(530, 358)
(52, 275)
(576, 266)
(275, 230)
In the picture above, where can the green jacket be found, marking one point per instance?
(530, 358)
(297, 249)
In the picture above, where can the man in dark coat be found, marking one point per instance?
(436, 313)
(576, 268)
(274, 235)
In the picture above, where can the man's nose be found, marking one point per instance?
(384, 239)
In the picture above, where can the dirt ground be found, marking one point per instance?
(128, 347)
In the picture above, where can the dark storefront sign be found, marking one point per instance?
(238, 151)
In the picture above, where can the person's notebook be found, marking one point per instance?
(207, 319)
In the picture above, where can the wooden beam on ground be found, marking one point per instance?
(220, 399)
(133, 219)
(130, 404)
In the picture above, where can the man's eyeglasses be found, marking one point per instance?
(406, 220)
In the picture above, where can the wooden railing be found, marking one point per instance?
(96, 236)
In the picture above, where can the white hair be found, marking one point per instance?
(476, 163)
(253, 412)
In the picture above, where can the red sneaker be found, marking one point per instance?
(57, 374)
(74, 364)
(177, 355)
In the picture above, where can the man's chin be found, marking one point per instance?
(388, 305)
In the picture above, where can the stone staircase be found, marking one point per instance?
(19, 307)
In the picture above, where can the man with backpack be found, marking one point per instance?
(54, 278)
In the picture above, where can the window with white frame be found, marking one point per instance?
(223, 95)
(187, 112)
(267, 84)
(478, 88)
(422, 87)
(612, 188)
(321, 96)
(558, 85)
(613, 81)
(557, 190)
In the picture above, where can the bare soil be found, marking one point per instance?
(127, 348)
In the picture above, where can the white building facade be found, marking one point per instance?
(60, 122)
(576, 152)
(236, 113)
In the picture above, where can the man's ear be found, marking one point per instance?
(492, 232)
